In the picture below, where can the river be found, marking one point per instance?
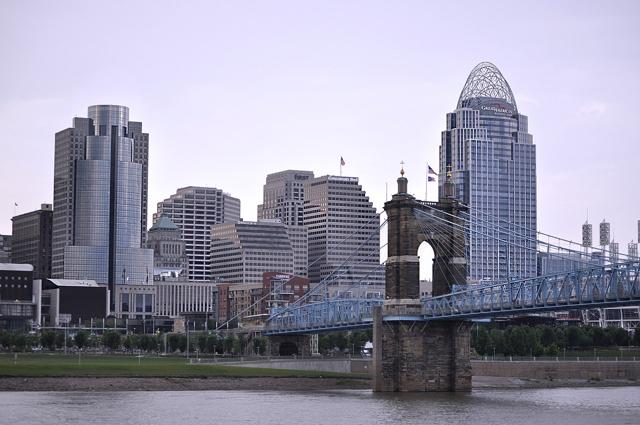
(567, 406)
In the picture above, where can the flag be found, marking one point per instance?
(341, 161)
(431, 179)
(431, 171)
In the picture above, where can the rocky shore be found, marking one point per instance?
(261, 384)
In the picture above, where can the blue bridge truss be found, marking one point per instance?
(599, 287)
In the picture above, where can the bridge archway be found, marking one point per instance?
(288, 348)
(426, 257)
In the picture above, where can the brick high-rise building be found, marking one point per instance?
(31, 242)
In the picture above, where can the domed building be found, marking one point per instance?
(169, 254)
(492, 159)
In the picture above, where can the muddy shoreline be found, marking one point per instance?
(260, 383)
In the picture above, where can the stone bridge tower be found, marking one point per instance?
(411, 354)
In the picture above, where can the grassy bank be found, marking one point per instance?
(53, 365)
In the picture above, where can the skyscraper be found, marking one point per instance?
(31, 242)
(283, 196)
(194, 210)
(70, 148)
(98, 197)
(339, 218)
(492, 159)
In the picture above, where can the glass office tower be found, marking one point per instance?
(107, 204)
(492, 160)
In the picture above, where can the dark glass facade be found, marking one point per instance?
(492, 159)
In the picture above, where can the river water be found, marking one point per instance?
(567, 406)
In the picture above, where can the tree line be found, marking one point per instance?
(114, 341)
(522, 340)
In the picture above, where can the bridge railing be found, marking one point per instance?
(336, 314)
(590, 288)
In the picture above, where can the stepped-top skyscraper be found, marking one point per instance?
(490, 154)
(100, 198)
(343, 232)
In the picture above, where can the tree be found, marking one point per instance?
(481, 344)
(111, 340)
(60, 340)
(5, 339)
(212, 342)
(619, 336)
(19, 341)
(129, 342)
(48, 340)
(599, 337)
(228, 344)
(552, 350)
(573, 336)
(182, 343)
(636, 337)
(148, 343)
(548, 336)
(81, 339)
(496, 343)
(202, 343)
(174, 342)
(239, 344)
(259, 345)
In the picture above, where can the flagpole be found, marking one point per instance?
(426, 184)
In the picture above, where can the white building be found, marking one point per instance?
(194, 210)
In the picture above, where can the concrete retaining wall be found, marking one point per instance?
(600, 370)
(558, 369)
(322, 365)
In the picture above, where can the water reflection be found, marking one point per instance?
(582, 406)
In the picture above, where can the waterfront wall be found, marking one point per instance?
(321, 365)
(595, 370)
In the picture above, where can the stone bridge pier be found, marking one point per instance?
(289, 345)
(410, 354)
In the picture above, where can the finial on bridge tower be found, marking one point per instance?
(402, 180)
(449, 185)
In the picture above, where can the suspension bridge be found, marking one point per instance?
(589, 285)
(423, 344)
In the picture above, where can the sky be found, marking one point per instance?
(233, 90)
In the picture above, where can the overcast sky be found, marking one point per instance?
(231, 91)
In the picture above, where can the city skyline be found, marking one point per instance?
(375, 99)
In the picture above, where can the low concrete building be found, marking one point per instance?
(63, 302)
(17, 300)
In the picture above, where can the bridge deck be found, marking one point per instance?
(618, 285)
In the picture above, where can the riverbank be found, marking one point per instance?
(85, 384)
(62, 383)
